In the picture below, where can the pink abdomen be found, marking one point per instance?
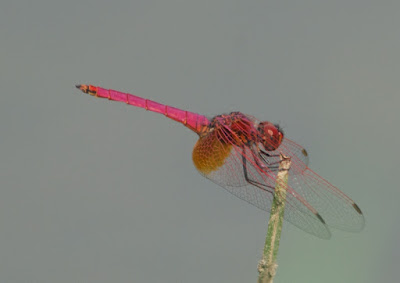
(191, 120)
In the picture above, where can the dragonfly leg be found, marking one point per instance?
(273, 166)
(263, 187)
(268, 154)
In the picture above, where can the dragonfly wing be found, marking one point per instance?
(230, 175)
(336, 208)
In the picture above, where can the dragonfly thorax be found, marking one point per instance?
(234, 128)
(228, 132)
(240, 129)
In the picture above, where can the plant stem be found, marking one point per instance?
(267, 265)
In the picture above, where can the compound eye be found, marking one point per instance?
(271, 135)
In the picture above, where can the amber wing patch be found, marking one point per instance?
(210, 153)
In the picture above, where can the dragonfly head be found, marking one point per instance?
(271, 135)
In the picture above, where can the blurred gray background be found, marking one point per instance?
(94, 191)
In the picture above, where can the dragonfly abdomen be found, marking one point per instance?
(191, 120)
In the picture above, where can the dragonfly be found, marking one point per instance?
(242, 155)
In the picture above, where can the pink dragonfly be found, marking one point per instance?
(241, 154)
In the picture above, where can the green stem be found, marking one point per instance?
(267, 265)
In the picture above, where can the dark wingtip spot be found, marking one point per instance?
(305, 153)
(320, 218)
(357, 208)
(78, 86)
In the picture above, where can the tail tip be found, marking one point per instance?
(83, 88)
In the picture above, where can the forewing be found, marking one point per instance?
(336, 208)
